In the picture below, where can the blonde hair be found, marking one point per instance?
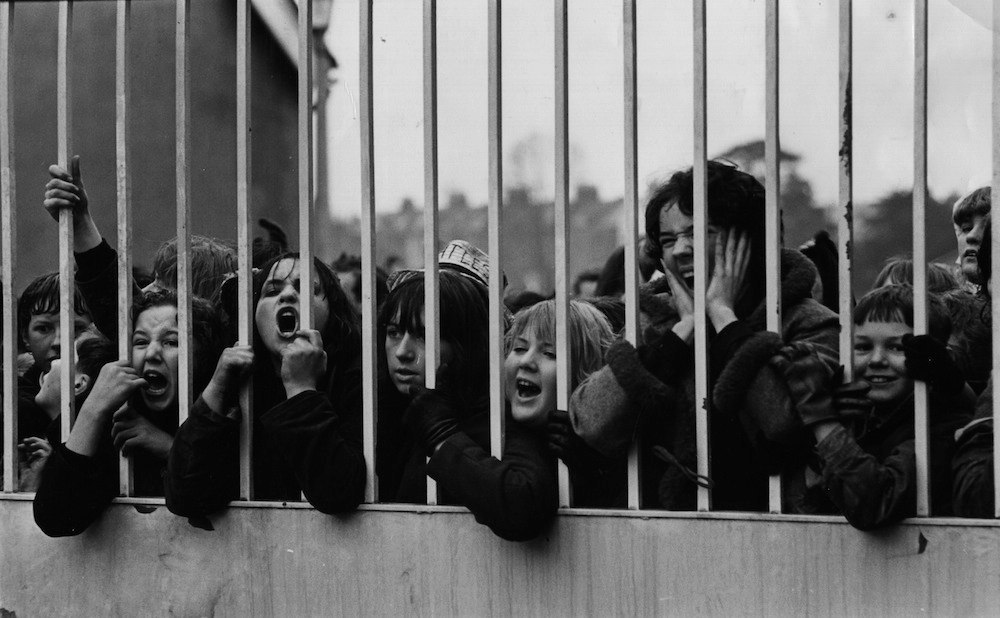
(590, 334)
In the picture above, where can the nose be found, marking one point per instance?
(528, 360)
(154, 350)
(975, 236)
(405, 350)
(289, 293)
(878, 357)
(684, 245)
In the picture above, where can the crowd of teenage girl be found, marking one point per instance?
(842, 439)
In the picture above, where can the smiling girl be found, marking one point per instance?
(306, 404)
(132, 408)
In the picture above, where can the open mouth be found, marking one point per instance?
(156, 382)
(288, 321)
(969, 253)
(879, 380)
(527, 389)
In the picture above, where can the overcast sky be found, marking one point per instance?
(959, 101)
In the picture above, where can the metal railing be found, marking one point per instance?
(494, 137)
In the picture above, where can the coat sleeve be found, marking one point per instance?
(515, 497)
(97, 280)
(321, 443)
(972, 465)
(870, 493)
(203, 465)
(75, 489)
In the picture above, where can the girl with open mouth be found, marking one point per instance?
(530, 385)
(306, 403)
(132, 409)
(445, 431)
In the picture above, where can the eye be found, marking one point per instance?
(668, 241)
(43, 328)
(895, 347)
(140, 342)
(550, 354)
(269, 289)
(519, 349)
(392, 331)
(862, 347)
(171, 342)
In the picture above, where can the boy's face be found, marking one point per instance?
(42, 338)
(677, 242)
(969, 237)
(879, 359)
(49, 396)
(530, 378)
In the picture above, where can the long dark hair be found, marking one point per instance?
(464, 325)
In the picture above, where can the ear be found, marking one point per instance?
(81, 385)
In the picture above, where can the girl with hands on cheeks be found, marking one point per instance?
(131, 408)
(306, 403)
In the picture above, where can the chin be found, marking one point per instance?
(527, 416)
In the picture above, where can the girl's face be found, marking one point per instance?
(277, 314)
(530, 378)
(155, 354)
(879, 359)
(406, 357)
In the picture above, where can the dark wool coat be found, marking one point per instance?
(75, 489)
(516, 496)
(658, 380)
(310, 443)
(972, 489)
(870, 473)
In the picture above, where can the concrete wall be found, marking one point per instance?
(389, 560)
(213, 131)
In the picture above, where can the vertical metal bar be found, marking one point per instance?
(772, 175)
(182, 119)
(700, 220)
(243, 236)
(495, 225)
(432, 314)
(123, 184)
(369, 345)
(845, 226)
(631, 208)
(994, 241)
(305, 163)
(921, 443)
(562, 232)
(66, 259)
(8, 254)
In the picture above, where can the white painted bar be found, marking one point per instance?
(845, 228)
(305, 164)
(66, 260)
(369, 335)
(244, 240)
(700, 191)
(495, 225)
(8, 253)
(772, 180)
(182, 116)
(561, 225)
(630, 205)
(123, 186)
(920, 246)
(995, 251)
(432, 299)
